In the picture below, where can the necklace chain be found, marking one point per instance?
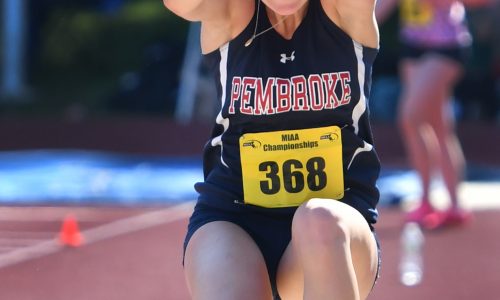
(255, 34)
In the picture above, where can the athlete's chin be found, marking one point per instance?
(285, 7)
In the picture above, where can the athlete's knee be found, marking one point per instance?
(316, 222)
(408, 119)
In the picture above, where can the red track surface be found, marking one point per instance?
(460, 264)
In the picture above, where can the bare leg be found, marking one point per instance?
(451, 158)
(428, 128)
(222, 262)
(418, 137)
(332, 255)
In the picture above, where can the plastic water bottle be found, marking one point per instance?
(411, 263)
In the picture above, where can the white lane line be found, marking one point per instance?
(110, 230)
(27, 253)
(19, 242)
(139, 222)
(4, 249)
(27, 234)
(55, 214)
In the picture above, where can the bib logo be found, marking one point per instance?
(329, 136)
(251, 96)
(253, 143)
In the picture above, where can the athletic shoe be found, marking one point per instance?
(419, 215)
(448, 218)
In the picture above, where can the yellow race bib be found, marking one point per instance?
(415, 12)
(286, 168)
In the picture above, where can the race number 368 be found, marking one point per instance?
(293, 175)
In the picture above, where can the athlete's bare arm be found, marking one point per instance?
(197, 10)
(221, 20)
(356, 18)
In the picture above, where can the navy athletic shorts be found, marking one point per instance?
(457, 53)
(272, 243)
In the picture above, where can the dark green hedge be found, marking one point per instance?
(81, 52)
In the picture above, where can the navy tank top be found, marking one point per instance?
(320, 77)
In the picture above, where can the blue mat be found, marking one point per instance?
(95, 177)
(86, 177)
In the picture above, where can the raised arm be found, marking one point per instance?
(356, 18)
(197, 10)
(221, 20)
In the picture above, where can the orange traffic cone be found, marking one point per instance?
(70, 233)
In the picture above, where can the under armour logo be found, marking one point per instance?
(285, 58)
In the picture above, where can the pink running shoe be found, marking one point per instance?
(448, 218)
(419, 215)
